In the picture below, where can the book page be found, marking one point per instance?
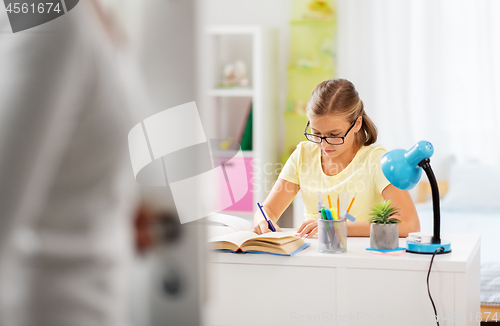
(276, 235)
(236, 238)
(284, 249)
(272, 239)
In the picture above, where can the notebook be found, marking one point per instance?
(274, 243)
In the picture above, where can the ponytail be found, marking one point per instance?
(368, 133)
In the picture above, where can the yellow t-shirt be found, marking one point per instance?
(363, 177)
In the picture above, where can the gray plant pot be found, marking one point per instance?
(384, 236)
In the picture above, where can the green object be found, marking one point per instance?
(328, 230)
(323, 213)
(246, 140)
(382, 213)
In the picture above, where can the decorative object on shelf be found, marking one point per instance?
(403, 169)
(317, 9)
(235, 74)
(384, 231)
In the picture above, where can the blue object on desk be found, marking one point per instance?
(271, 226)
(427, 248)
(403, 170)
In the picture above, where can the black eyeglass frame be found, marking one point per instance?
(326, 137)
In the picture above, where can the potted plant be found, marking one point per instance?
(384, 232)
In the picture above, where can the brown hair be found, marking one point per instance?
(339, 96)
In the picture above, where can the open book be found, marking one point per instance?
(275, 243)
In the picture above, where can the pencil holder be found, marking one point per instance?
(332, 236)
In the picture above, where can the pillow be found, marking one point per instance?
(473, 187)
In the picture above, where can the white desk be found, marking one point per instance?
(354, 288)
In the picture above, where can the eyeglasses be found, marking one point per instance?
(338, 140)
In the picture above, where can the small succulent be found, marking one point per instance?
(382, 212)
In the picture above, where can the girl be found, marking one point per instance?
(337, 157)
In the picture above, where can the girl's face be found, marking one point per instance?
(335, 126)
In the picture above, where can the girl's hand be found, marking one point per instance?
(263, 227)
(308, 228)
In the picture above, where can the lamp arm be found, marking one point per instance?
(425, 164)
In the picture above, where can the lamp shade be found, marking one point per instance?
(401, 167)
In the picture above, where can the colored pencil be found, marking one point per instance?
(352, 201)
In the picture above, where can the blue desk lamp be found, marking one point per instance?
(403, 169)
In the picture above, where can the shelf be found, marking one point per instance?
(231, 92)
(228, 106)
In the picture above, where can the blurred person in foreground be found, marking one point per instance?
(67, 192)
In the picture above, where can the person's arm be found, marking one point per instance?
(401, 199)
(275, 204)
(407, 214)
(358, 229)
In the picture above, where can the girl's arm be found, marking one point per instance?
(401, 199)
(275, 204)
(407, 214)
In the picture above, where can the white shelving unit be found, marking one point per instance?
(256, 46)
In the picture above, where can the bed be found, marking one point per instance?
(471, 204)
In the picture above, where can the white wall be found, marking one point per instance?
(168, 51)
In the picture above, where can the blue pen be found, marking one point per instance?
(271, 226)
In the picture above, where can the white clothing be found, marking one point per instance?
(67, 192)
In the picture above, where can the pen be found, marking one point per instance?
(335, 216)
(329, 201)
(325, 216)
(338, 232)
(265, 217)
(323, 213)
(329, 214)
(319, 211)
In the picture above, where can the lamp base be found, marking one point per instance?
(428, 248)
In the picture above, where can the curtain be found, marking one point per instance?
(426, 70)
